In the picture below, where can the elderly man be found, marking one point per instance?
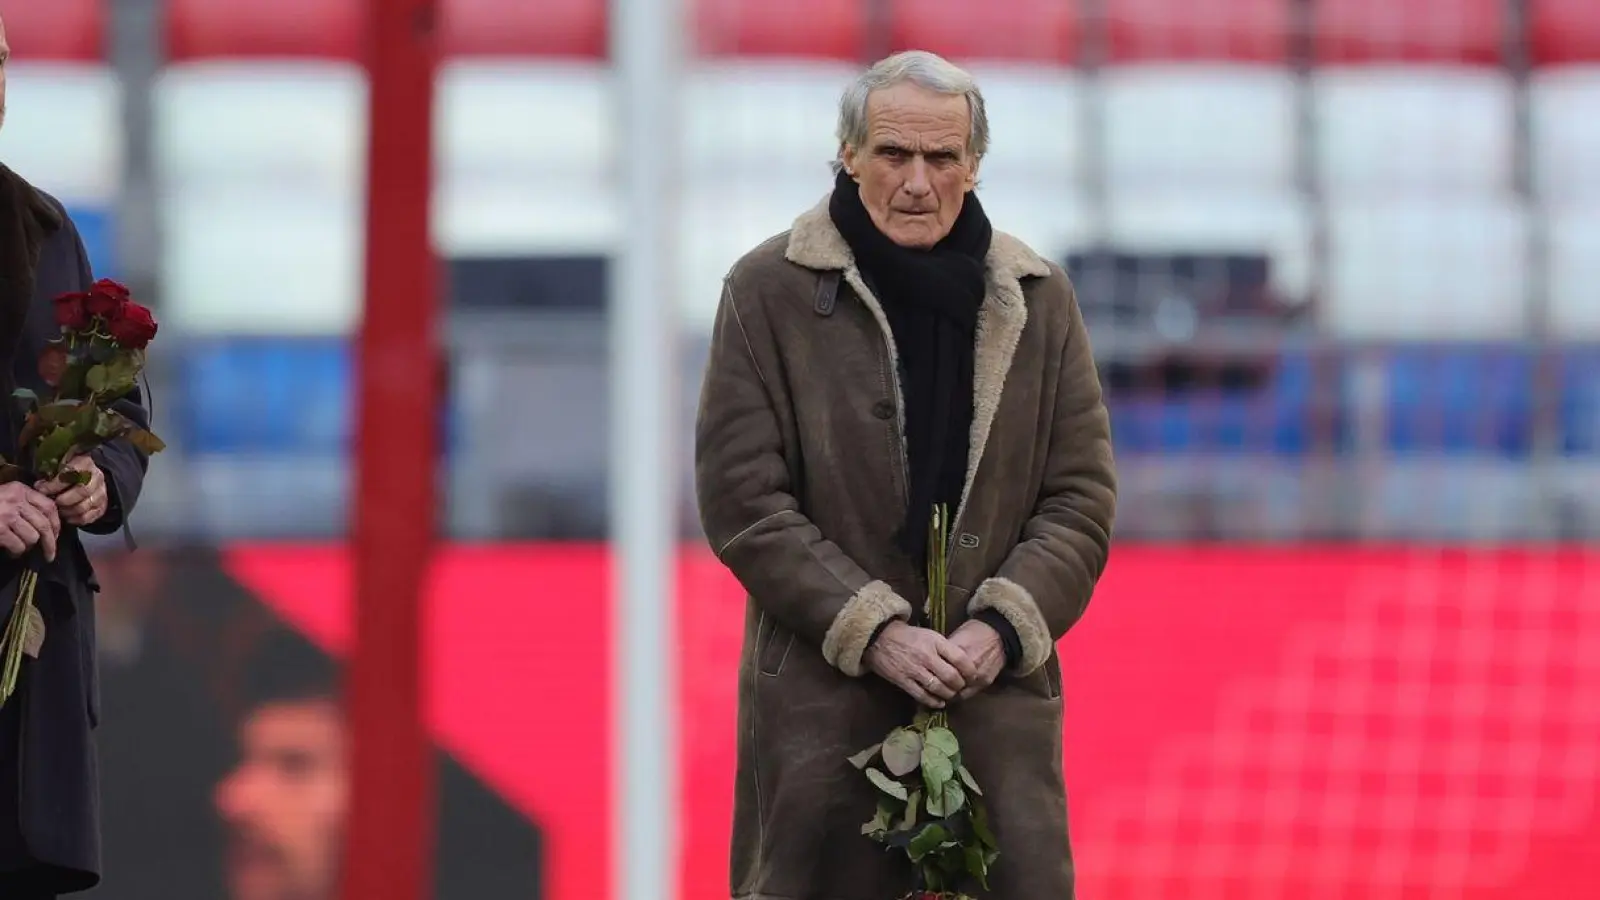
(890, 353)
(49, 794)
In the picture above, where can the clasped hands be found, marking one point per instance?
(935, 669)
(32, 516)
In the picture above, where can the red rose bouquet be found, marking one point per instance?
(929, 805)
(95, 362)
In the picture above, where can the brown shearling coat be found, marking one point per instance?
(801, 480)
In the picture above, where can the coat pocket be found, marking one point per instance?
(773, 643)
(1044, 681)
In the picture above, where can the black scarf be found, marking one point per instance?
(931, 298)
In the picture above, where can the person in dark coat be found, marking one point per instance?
(49, 785)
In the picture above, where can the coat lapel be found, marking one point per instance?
(815, 243)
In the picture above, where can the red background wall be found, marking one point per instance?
(1241, 722)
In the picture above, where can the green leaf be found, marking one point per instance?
(886, 784)
(147, 442)
(33, 632)
(980, 827)
(937, 770)
(879, 823)
(108, 425)
(25, 395)
(947, 800)
(901, 751)
(60, 412)
(968, 780)
(913, 806)
(927, 841)
(52, 450)
(83, 424)
(944, 740)
(978, 865)
(97, 379)
(864, 758)
(122, 367)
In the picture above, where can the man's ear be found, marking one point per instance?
(847, 158)
(972, 173)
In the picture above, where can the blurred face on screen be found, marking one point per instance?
(915, 169)
(284, 803)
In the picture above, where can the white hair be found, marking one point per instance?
(927, 70)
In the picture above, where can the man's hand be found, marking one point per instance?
(80, 504)
(27, 517)
(982, 644)
(921, 662)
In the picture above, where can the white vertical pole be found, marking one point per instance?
(646, 59)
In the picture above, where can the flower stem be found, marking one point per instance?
(16, 635)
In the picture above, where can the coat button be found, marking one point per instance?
(883, 409)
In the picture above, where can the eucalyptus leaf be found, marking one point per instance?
(913, 806)
(927, 841)
(902, 750)
(52, 450)
(146, 442)
(59, 412)
(980, 827)
(968, 780)
(33, 632)
(864, 758)
(978, 865)
(936, 769)
(947, 800)
(108, 425)
(944, 740)
(880, 822)
(886, 784)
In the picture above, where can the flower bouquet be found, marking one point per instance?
(931, 807)
(95, 362)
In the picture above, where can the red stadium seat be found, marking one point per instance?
(1011, 30)
(295, 29)
(64, 30)
(1247, 31)
(545, 28)
(1410, 31)
(1565, 31)
(818, 29)
(333, 29)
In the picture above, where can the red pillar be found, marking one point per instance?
(389, 846)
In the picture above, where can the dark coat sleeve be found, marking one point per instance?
(123, 464)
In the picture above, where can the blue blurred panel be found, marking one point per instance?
(1276, 420)
(1580, 402)
(272, 396)
(97, 228)
(1460, 401)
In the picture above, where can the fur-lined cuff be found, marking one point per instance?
(1013, 601)
(846, 640)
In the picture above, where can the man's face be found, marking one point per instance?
(915, 170)
(284, 803)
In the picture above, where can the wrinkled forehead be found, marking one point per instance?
(910, 112)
